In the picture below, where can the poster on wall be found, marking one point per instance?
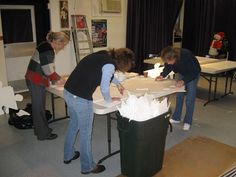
(80, 21)
(64, 16)
(99, 32)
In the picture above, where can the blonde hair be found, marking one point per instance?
(124, 58)
(57, 36)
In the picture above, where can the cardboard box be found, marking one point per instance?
(198, 157)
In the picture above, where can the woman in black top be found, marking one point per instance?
(183, 62)
(96, 69)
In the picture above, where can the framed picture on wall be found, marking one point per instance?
(80, 21)
(99, 33)
(110, 8)
(64, 13)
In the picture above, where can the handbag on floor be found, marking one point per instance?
(20, 121)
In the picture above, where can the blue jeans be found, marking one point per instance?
(191, 89)
(81, 120)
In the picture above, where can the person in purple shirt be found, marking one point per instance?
(96, 69)
(183, 62)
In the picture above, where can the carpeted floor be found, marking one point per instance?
(22, 155)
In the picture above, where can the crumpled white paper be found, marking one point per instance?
(153, 73)
(142, 108)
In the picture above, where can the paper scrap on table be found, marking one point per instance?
(142, 108)
(130, 75)
(59, 88)
(172, 86)
(102, 102)
(120, 76)
(144, 89)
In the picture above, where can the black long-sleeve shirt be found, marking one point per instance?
(187, 65)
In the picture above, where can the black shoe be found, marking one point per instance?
(52, 136)
(97, 169)
(76, 156)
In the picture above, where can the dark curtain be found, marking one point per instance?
(150, 25)
(205, 17)
(41, 15)
(42, 18)
(16, 25)
(231, 28)
(198, 25)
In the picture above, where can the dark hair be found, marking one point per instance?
(170, 53)
(124, 58)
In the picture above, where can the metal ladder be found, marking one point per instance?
(81, 37)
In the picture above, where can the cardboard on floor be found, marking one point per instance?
(197, 157)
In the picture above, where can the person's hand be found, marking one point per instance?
(159, 78)
(61, 82)
(121, 89)
(179, 83)
(115, 98)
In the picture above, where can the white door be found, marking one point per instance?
(3, 72)
(19, 34)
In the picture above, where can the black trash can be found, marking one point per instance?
(142, 145)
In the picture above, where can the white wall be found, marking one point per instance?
(65, 62)
(3, 72)
(116, 28)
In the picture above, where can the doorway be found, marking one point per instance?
(19, 37)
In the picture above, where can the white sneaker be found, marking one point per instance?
(174, 121)
(186, 126)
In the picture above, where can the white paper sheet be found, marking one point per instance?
(108, 105)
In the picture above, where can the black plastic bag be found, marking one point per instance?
(25, 121)
(20, 122)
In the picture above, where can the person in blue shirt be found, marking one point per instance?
(183, 62)
(96, 69)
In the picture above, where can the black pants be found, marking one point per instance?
(38, 100)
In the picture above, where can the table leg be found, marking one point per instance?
(226, 83)
(53, 106)
(54, 119)
(230, 86)
(215, 88)
(109, 133)
(226, 86)
(108, 140)
(209, 91)
(210, 80)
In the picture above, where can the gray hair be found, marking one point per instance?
(170, 53)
